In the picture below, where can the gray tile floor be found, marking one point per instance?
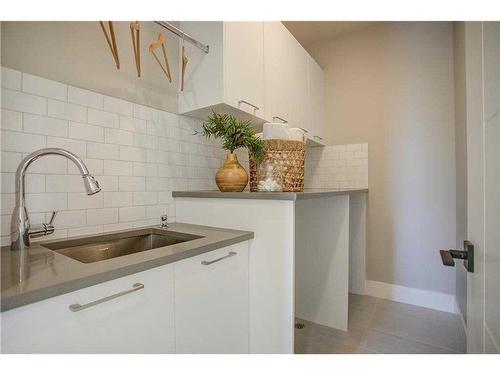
(378, 326)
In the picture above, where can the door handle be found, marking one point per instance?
(207, 263)
(77, 307)
(248, 103)
(467, 255)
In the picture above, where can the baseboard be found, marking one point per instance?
(419, 297)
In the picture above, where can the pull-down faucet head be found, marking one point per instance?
(20, 224)
(91, 184)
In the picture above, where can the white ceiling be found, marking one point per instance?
(307, 32)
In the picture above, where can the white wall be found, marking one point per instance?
(137, 153)
(77, 54)
(391, 86)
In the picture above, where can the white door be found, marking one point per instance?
(277, 72)
(212, 302)
(316, 113)
(482, 59)
(244, 66)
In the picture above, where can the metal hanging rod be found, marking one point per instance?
(167, 25)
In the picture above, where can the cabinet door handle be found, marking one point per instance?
(207, 263)
(304, 130)
(318, 137)
(77, 307)
(281, 119)
(250, 104)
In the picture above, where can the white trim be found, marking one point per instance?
(459, 312)
(419, 297)
(490, 336)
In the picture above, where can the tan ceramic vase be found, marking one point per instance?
(231, 176)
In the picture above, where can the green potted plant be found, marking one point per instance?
(235, 134)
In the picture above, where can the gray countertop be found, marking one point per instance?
(47, 273)
(290, 196)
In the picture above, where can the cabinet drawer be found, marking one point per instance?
(212, 303)
(141, 321)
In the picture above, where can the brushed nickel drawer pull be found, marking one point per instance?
(250, 104)
(207, 263)
(281, 119)
(77, 307)
(304, 130)
(318, 137)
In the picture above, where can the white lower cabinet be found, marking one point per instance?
(210, 314)
(212, 303)
(141, 321)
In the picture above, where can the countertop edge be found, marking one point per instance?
(289, 196)
(12, 302)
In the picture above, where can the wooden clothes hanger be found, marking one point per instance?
(136, 44)
(111, 41)
(185, 61)
(160, 42)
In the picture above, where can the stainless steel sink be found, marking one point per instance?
(107, 246)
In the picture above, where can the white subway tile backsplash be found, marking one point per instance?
(141, 198)
(133, 124)
(145, 169)
(44, 202)
(95, 167)
(116, 105)
(145, 113)
(119, 137)
(67, 111)
(103, 151)
(85, 98)
(132, 213)
(132, 153)
(70, 219)
(35, 183)
(108, 183)
(85, 231)
(8, 203)
(10, 161)
(118, 168)
(102, 216)
(36, 124)
(11, 79)
(118, 199)
(60, 183)
(22, 102)
(86, 132)
(102, 118)
(76, 147)
(337, 166)
(127, 183)
(118, 226)
(11, 120)
(145, 141)
(22, 142)
(44, 87)
(52, 164)
(79, 201)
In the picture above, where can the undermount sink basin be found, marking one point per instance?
(101, 247)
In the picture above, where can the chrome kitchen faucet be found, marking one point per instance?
(20, 230)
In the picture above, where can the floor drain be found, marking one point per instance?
(300, 325)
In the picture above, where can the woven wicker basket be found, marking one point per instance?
(291, 154)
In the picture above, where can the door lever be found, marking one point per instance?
(467, 255)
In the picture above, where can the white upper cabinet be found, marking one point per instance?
(294, 83)
(277, 72)
(256, 71)
(230, 78)
(244, 67)
(316, 102)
